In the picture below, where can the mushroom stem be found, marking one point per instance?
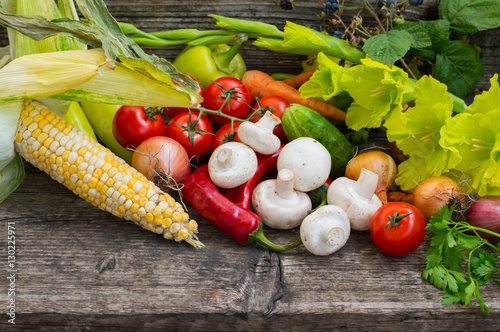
(366, 184)
(269, 121)
(224, 156)
(284, 184)
(333, 236)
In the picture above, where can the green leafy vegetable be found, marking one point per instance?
(457, 261)
(458, 66)
(470, 16)
(388, 47)
(325, 82)
(421, 38)
(379, 93)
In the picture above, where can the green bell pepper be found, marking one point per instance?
(101, 118)
(207, 63)
(77, 118)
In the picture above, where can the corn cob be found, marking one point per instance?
(95, 174)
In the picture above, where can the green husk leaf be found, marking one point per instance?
(11, 176)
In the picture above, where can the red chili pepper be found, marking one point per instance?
(242, 195)
(241, 224)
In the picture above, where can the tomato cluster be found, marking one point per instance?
(199, 136)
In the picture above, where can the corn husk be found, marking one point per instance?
(45, 74)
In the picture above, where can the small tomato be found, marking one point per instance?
(397, 228)
(134, 124)
(237, 96)
(182, 124)
(225, 134)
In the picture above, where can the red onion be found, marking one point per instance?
(485, 213)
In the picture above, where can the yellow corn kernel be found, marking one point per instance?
(192, 225)
(176, 216)
(149, 217)
(158, 220)
(166, 222)
(182, 234)
(92, 182)
(134, 208)
(167, 213)
(184, 217)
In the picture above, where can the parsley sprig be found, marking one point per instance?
(457, 261)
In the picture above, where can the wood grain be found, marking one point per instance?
(80, 268)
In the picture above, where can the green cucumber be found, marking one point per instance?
(301, 121)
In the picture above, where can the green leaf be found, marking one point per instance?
(483, 266)
(458, 66)
(438, 30)
(450, 282)
(421, 38)
(470, 16)
(388, 48)
(469, 241)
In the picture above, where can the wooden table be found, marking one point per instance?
(81, 268)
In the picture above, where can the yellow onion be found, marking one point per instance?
(163, 161)
(379, 163)
(434, 193)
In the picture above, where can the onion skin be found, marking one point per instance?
(485, 213)
(163, 161)
(379, 163)
(434, 193)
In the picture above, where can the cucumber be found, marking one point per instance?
(301, 121)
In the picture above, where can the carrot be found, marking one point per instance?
(259, 84)
(298, 80)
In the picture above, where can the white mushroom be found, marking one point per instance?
(278, 204)
(309, 160)
(232, 164)
(326, 230)
(357, 198)
(259, 136)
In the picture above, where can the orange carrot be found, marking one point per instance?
(298, 80)
(259, 84)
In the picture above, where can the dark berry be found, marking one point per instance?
(316, 27)
(286, 4)
(416, 2)
(337, 34)
(386, 2)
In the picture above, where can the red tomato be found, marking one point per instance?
(202, 141)
(400, 238)
(223, 135)
(173, 111)
(219, 91)
(279, 104)
(134, 124)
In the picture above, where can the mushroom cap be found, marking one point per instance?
(358, 208)
(309, 160)
(232, 164)
(259, 138)
(277, 212)
(326, 230)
